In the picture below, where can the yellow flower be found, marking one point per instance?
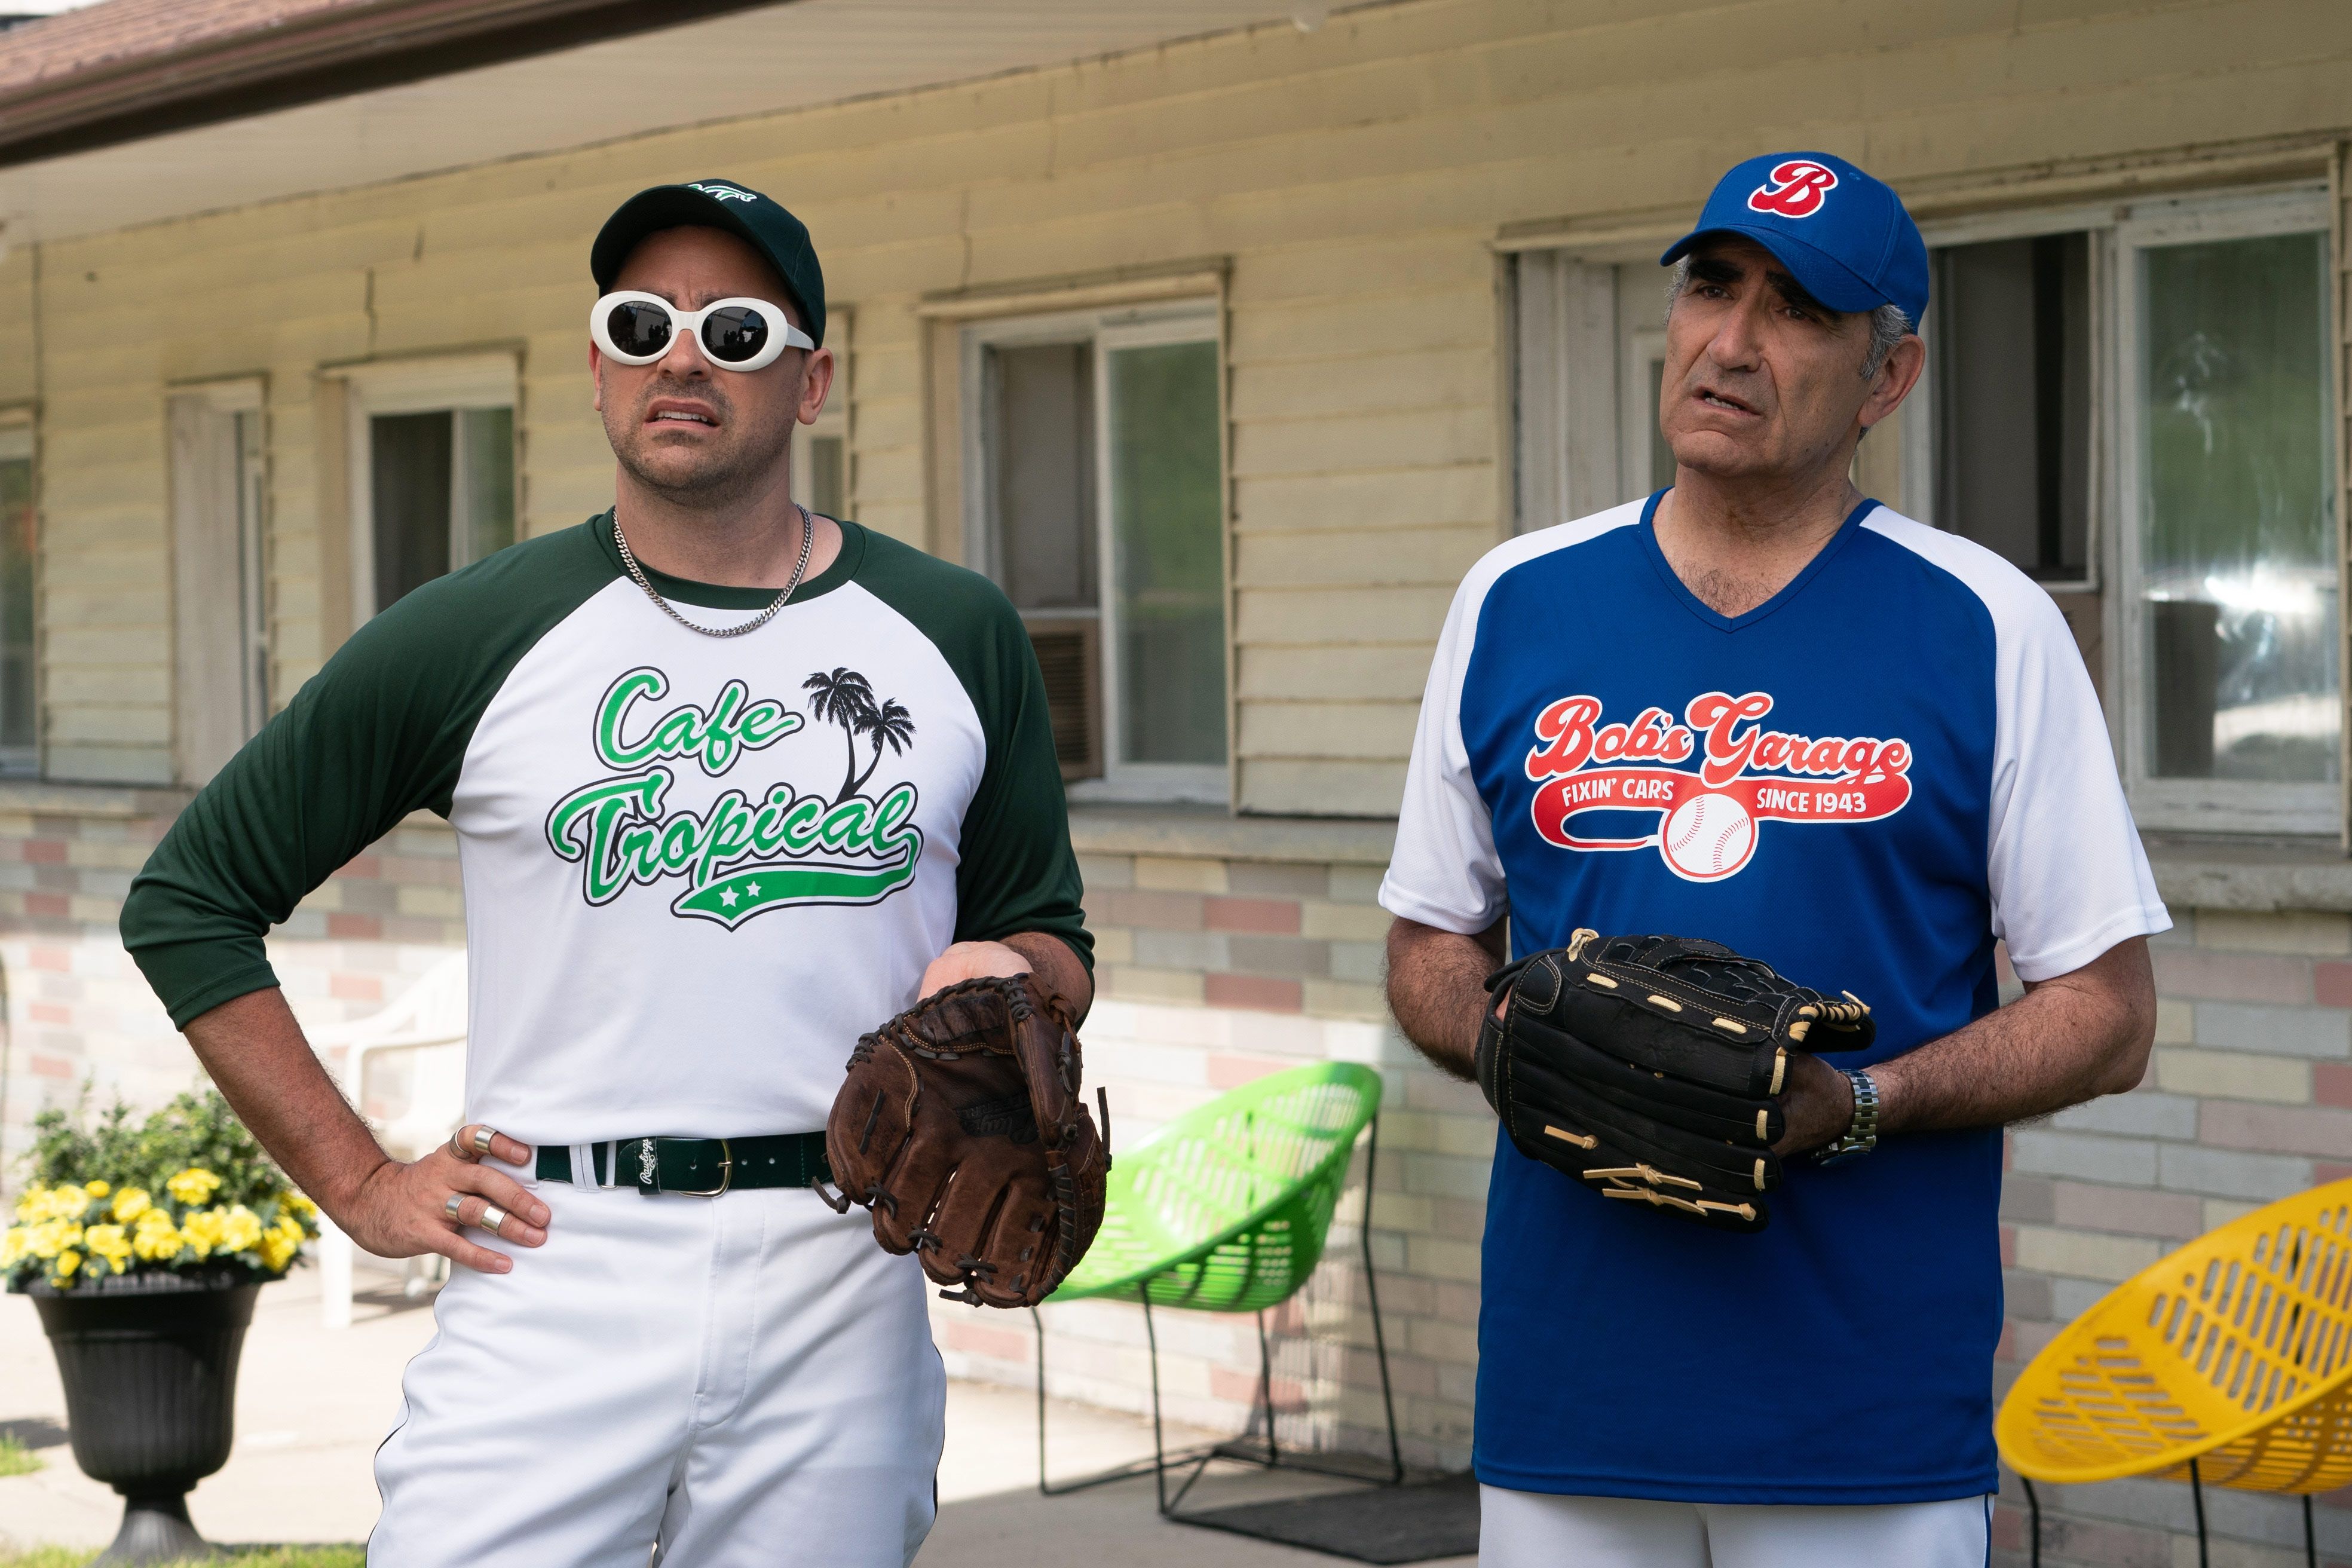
(159, 1241)
(109, 1242)
(66, 1263)
(96, 1189)
(131, 1202)
(16, 1245)
(193, 1186)
(299, 1206)
(278, 1250)
(204, 1231)
(241, 1231)
(53, 1236)
(40, 1203)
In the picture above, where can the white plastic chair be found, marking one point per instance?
(428, 1021)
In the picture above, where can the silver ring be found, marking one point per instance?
(492, 1218)
(450, 1204)
(482, 1139)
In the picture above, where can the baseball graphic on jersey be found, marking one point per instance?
(1709, 836)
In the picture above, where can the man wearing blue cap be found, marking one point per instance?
(1761, 708)
(730, 783)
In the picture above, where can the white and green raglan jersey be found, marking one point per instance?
(695, 868)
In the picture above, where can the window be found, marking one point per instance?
(2228, 484)
(19, 732)
(433, 472)
(219, 578)
(2011, 400)
(1099, 494)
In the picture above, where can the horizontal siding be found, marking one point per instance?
(1353, 177)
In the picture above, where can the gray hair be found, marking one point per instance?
(1888, 324)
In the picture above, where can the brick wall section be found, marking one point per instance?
(78, 1011)
(1275, 937)
(2249, 1098)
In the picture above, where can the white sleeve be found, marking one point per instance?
(1445, 872)
(2069, 876)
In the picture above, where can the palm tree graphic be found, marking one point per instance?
(890, 724)
(846, 698)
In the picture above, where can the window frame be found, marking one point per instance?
(20, 441)
(451, 385)
(223, 404)
(1104, 330)
(2203, 804)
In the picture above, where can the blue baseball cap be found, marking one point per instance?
(1841, 234)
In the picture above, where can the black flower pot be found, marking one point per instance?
(149, 1362)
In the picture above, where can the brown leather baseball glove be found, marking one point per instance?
(962, 1129)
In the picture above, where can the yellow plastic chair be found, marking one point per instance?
(2228, 1362)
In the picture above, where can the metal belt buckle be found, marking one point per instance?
(726, 1176)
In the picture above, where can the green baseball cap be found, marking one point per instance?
(760, 221)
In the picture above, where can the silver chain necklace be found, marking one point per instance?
(808, 543)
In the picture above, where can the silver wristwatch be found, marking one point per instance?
(1862, 1133)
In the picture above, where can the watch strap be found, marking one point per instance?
(1861, 1135)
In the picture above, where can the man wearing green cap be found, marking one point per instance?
(731, 782)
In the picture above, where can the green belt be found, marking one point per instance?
(696, 1167)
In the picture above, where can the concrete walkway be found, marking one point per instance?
(312, 1405)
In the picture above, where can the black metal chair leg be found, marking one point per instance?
(1159, 1444)
(2196, 1498)
(1372, 1294)
(1157, 1462)
(1265, 1390)
(2310, 1537)
(1038, 1324)
(1162, 1460)
(2034, 1511)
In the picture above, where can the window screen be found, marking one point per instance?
(1167, 529)
(2237, 524)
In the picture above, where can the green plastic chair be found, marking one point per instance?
(1226, 1209)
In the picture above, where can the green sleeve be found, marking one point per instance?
(379, 733)
(1018, 872)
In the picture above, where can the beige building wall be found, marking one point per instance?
(1349, 181)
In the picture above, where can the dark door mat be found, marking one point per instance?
(1412, 1524)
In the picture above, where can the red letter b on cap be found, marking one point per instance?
(1795, 189)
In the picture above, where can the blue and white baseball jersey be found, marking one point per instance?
(1864, 781)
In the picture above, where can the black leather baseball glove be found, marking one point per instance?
(1648, 1067)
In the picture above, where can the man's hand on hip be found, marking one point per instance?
(403, 1209)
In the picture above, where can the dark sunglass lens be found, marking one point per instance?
(638, 328)
(734, 334)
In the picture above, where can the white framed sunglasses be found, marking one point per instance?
(739, 333)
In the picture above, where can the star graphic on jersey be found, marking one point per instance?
(753, 887)
(727, 896)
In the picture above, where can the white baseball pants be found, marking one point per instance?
(742, 1380)
(1538, 1530)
